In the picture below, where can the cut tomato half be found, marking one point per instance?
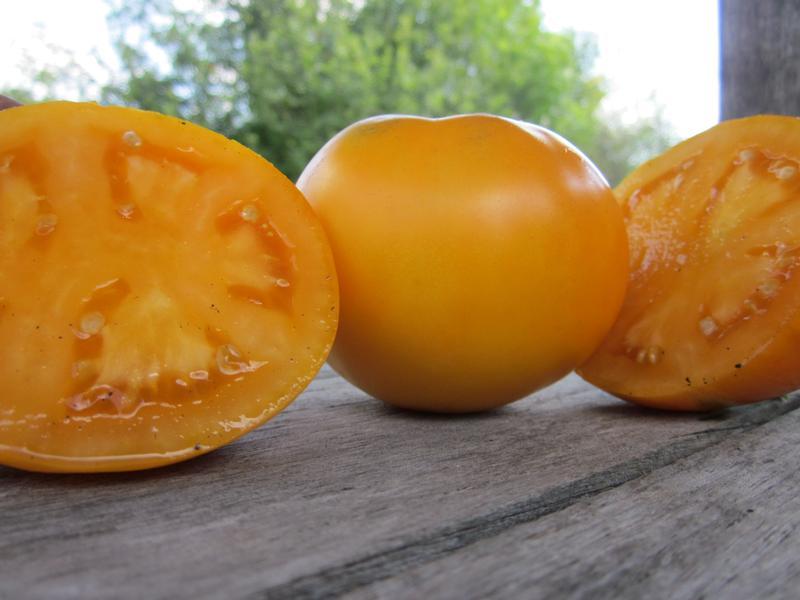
(712, 313)
(164, 290)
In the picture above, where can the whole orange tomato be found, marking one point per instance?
(479, 258)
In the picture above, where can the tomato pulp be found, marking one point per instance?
(164, 289)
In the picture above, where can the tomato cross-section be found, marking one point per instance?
(712, 313)
(163, 290)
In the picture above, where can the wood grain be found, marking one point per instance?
(721, 524)
(338, 493)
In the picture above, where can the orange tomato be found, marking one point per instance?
(711, 317)
(479, 258)
(164, 290)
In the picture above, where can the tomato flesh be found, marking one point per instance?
(164, 289)
(711, 314)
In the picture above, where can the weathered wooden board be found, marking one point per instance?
(719, 524)
(340, 492)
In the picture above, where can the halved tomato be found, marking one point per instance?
(712, 313)
(164, 289)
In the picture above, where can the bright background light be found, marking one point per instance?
(652, 52)
(656, 53)
(33, 30)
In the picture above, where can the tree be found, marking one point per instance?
(283, 76)
(620, 147)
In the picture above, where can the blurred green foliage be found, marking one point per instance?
(283, 76)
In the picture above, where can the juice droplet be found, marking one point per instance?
(786, 262)
(769, 288)
(82, 370)
(654, 354)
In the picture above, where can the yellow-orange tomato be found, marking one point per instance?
(712, 314)
(164, 289)
(479, 258)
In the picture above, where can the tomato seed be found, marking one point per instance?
(250, 213)
(654, 354)
(746, 155)
(126, 210)
(92, 323)
(46, 224)
(708, 326)
(132, 139)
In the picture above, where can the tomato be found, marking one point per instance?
(712, 315)
(164, 290)
(479, 258)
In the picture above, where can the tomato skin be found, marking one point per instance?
(164, 290)
(479, 258)
(723, 203)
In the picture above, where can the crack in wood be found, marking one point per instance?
(347, 577)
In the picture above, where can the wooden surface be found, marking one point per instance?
(567, 493)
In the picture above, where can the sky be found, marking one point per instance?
(653, 54)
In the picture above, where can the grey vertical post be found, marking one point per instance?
(760, 57)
